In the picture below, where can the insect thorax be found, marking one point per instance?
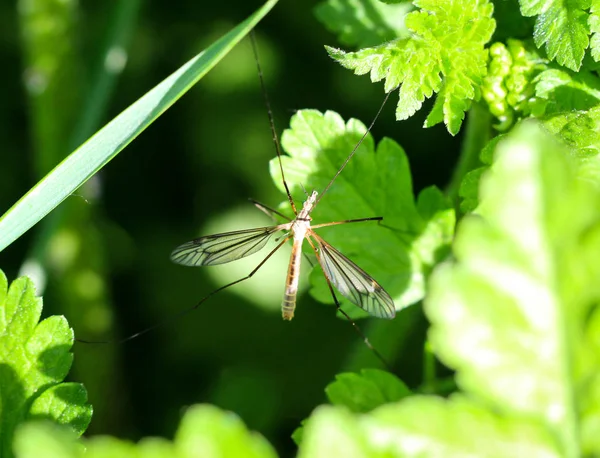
(308, 206)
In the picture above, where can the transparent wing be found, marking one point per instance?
(354, 283)
(221, 248)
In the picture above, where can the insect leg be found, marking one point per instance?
(354, 325)
(184, 312)
(360, 220)
(271, 121)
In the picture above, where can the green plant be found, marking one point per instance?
(504, 261)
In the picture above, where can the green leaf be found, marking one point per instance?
(562, 26)
(400, 251)
(594, 23)
(514, 314)
(365, 391)
(579, 131)
(444, 54)
(208, 428)
(360, 393)
(205, 431)
(363, 22)
(46, 440)
(423, 426)
(334, 431)
(34, 359)
(65, 403)
(90, 157)
(565, 91)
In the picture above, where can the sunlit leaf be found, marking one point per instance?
(35, 357)
(365, 391)
(205, 431)
(364, 22)
(562, 27)
(511, 313)
(444, 54)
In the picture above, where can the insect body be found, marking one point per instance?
(299, 229)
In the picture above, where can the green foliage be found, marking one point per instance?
(412, 237)
(364, 22)
(511, 297)
(594, 24)
(446, 55)
(524, 288)
(361, 393)
(508, 86)
(365, 391)
(564, 91)
(521, 83)
(205, 431)
(469, 188)
(34, 359)
(423, 426)
(562, 27)
(578, 129)
(515, 314)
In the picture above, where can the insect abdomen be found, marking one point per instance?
(289, 305)
(291, 283)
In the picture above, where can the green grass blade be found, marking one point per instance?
(90, 157)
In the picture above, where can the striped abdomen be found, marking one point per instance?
(291, 281)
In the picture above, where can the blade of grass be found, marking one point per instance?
(109, 66)
(84, 162)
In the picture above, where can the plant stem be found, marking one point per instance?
(477, 134)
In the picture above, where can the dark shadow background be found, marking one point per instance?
(201, 159)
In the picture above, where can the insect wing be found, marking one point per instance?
(222, 248)
(354, 283)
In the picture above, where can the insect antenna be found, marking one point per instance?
(354, 149)
(271, 119)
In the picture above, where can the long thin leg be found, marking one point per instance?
(268, 210)
(399, 231)
(354, 325)
(177, 316)
(360, 220)
(271, 121)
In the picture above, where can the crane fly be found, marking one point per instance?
(350, 280)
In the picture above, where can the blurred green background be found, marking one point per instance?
(104, 253)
